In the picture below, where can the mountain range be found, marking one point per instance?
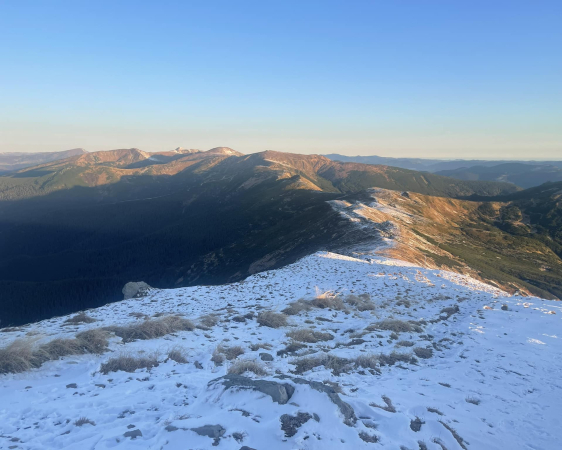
(73, 231)
(524, 174)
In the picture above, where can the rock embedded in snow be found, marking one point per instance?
(266, 357)
(279, 392)
(291, 424)
(135, 289)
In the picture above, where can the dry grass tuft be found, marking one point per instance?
(310, 336)
(297, 307)
(81, 317)
(394, 357)
(326, 301)
(473, 400)
(405, 344)
(334, 363)
(242, 366)
(361, 302)
(395, 325)
(83, 421)
(255, 347)
(209, 320)
(22, 355)
(388, 405)
(178, 354)
(152, 328)
(129, 363)
(272, 319)
(424, 353)
(17, 357)
(369, 361)
(229, 353)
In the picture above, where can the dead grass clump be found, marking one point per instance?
(370, 438)
(233, 352)
(473, 400)
(404, 302)
(334, 363)
(93, 341)
(255, 347)
(152, 328)
(129, 363)
(81, 317)
(394, 357)
(178, 354)
(83, 421)
(218, 357)
(291, 348)
(456, 435)
(328, 302)
(424, 353)
(395, 325)
(388, 405)
(22, 355)
(209, 320)
(434, 410)
(229, 353)
(405, 344)
(242, 366)
(310, 336)
(16, 357)
(297, 307)
(369, 361)
(272, 319)
(360, 302)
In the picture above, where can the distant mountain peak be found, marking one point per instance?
(224, 151)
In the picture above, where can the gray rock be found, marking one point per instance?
(133, 434)
(266, 357)
(198, 365)
(135, 289)
(71, 386)
(245, 447)
(213, 431)
(505, 307)
(347, 411)
(291, 424)
(279, 392)
(416, 424)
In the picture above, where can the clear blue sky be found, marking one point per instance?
(454, 78)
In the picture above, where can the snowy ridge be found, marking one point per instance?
(490, 383)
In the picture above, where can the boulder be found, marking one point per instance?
(135, 289)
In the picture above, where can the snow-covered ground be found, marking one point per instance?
(492, 382)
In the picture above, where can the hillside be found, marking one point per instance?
(375, 354)
(133, 166)
(507, 243)
(10, 161)
(522, 175)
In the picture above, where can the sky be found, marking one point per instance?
(450, 79)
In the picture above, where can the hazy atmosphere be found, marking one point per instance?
(474, 79)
